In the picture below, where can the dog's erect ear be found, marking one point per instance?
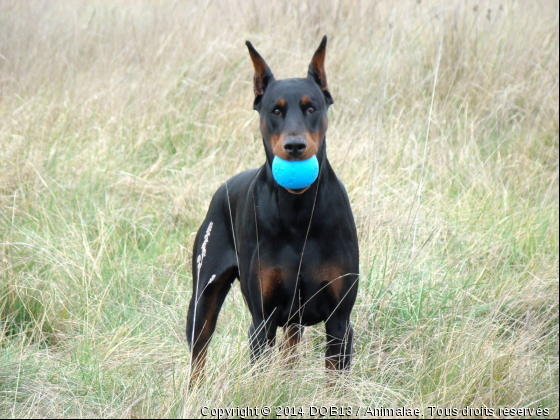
(317, 70)
(263, 75)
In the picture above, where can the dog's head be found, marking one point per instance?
(293, 112)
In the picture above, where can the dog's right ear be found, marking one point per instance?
(263, 75)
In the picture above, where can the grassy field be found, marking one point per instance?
(119, 120)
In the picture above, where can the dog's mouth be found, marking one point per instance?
(295, 176)
(297, 191)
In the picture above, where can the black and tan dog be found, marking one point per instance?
(295, 252)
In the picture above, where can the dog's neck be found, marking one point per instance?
(294, 210)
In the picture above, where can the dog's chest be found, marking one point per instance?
(312, 284)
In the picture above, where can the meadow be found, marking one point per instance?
(119, 120)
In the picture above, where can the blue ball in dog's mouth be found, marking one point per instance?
(295, 174)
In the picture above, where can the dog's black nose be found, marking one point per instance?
(295, 146)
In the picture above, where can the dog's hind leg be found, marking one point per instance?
(202, 316)
(214, 271)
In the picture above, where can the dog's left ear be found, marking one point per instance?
(317, 70)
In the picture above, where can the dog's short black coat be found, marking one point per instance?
(295, 252)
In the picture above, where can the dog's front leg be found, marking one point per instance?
(262, 332)
(340, 335)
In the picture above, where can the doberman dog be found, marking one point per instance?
(295, 252)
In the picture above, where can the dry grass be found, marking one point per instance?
(119, 120)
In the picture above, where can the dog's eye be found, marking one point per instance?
(311, 110)
(277, 112)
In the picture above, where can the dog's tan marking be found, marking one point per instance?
(277, 146)
(270, 278)
(313, 143)
(290, 340)
(332, 274)
(298, 192)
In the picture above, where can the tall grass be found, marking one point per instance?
(118, 121)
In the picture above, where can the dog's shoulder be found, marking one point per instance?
(233, 190)
(241, 181)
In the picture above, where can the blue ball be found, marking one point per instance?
(295, 174)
